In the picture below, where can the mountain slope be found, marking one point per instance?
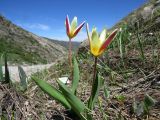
(25, 47)
(146, 18)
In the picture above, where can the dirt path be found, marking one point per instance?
(29, 70)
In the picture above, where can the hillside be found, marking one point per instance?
(146, 19)
(25, 47)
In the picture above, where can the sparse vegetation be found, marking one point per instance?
(129, 71)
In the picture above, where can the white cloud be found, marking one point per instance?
(38, 26)
(57, 34)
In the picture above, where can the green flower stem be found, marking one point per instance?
(94, 86)
(95, 69)
(70, 54)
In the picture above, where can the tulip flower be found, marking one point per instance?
(72, 29)
(98, 43)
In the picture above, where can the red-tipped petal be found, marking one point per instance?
(78, 28)
(67, 25)
(88, 34)
(108, 40)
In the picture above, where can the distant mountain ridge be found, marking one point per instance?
(25, 47)
(75, 45)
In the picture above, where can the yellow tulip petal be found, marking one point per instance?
(73, 24)
(78, 28)
(108, 40)
(102, 36)
(95, 36)
(95, 50)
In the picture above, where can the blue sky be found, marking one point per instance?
(46, 17)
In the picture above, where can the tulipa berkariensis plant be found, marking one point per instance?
(72, 30)
(98, 44)
(67, 95)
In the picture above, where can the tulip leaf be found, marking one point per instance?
(134, 106)
(76, 104)
(106, 92)
(75, 76)
(52, 91)
(1, 73)
(1, 68)
(149, 101)
(140, 109)
(23, 78)
(7, 76)
(95, 90)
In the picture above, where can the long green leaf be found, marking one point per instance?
(140, 44)
(75, 76)
(1, 68)
(94, 92)
(7, 77)
(106, 92)
(1, 73)
(51, 91)
(120, 45)
(149, 101)
(77, 105)
(23, 78)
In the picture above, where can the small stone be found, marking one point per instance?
(64, 80)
